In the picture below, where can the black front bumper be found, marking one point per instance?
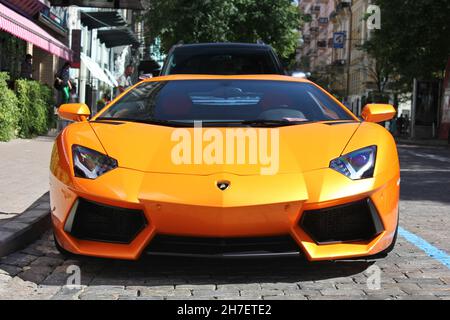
(223, 247)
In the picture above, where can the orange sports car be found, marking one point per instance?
(225, 166)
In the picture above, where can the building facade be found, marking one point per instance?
(317, 31)
(99, 42)
(33, 27)
(108, 41)
(332, 49)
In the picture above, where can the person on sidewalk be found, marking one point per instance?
(125, 79)
(26, 68)
(64, 84)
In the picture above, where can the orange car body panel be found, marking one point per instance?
(183, 200)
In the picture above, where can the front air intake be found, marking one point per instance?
(97, 222)
(357, 221)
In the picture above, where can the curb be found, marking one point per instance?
(26, 227)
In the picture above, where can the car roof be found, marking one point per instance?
(221, 45)
(267, 77)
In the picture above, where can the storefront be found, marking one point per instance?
(12, 51)
(20, 34)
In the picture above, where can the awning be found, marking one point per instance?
(27, 30)
(112, 78)
(96, 70)
(117, 37)
(28, 7)
(102, 19)
(117, 4)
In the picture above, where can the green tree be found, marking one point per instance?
(413, 42)
(273, 21)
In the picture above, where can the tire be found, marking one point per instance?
(61, 250)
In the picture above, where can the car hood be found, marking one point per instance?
(150, 148)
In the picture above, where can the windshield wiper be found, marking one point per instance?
(269, 122)
(190, 123)
(171, 123)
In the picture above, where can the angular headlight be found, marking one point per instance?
(91, 164)
(356, 165)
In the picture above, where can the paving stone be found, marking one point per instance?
(299, 297)
(343, 292)
(36, 274)
(18, 259)
(11, 270)
(47, 262)
(196, 286)
(262, 292)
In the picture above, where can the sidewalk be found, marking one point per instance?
(423, 142)
(24, 205)
(23, 173)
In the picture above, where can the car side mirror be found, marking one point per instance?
(377, 112)
(74, 111)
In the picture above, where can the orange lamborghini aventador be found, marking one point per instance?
(225, 166)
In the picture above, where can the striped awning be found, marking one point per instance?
(97, 71)
(117, 37)
(27, 7)
(27, 30)
(113, 4)
(102, 19)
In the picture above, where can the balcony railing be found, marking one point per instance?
(323, 21)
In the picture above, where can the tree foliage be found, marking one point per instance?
(273, 21)
(34, 107)
(9, 112)
(413, 42)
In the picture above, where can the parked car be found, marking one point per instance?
(123, 184)
(222, 59)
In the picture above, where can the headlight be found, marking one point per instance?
(356, 165)
(91, 164)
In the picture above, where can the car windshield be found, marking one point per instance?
(221, 64)
(225, 102)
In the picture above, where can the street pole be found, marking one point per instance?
(413, 110)
(349, 54)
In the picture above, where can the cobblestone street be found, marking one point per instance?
(40, 272)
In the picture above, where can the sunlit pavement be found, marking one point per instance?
(23, 173)
(414, 270)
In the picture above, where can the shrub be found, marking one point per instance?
(48, 97)
(9, 112)
(34, 108)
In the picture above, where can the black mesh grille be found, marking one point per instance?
(222, 246)
(97, 222)
(351, 222)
